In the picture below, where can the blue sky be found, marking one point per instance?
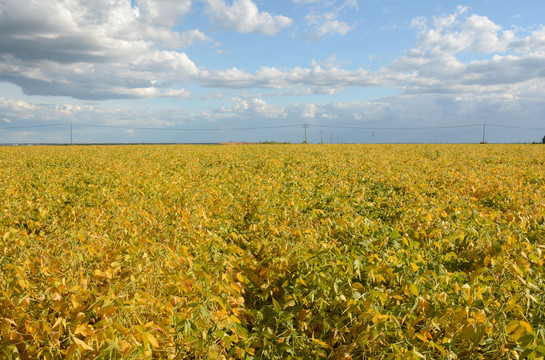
(249, 70)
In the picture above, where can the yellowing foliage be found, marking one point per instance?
(272, 252)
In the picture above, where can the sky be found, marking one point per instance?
(199, 71)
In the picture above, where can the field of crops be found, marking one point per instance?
(272, 252)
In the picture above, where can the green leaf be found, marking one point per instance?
(526, 353)
(526, 340)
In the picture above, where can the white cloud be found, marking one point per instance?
(165, 12)
(252, 105)
(327, 24)
(347, 3)
(321, 80)
(16, 109)
(309, 112)
(307, 1)
(475, 33)
(351, 3)
(189, 37)
(152, 92)
(331, 62)
(534, 43)
(419, 23)
(434, 64)
(212, 96)
(324, 18)
(60, 48)
(243, 16)
(334, 27)
(21, 111)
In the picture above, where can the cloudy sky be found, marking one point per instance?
(256, 70)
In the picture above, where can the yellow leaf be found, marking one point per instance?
(15, 337)
(414, 266)
(214, 352)
(123, 330)
(527, 327)
(59, 320)
(440, 348)
(518, 333)
(84, 330)
(358, 287)
(512, 303)
(413, 289)
(320, 342)
(83, 344)
(71, 351)
(124, 345)
(512, 326)
(422, 337)
(152, 340)
(106, 310)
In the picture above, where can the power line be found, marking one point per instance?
(274, 127)
(425, 127)
(32, 126)
(516, 127)
(395, 128)
(153, 128)
(188, 129)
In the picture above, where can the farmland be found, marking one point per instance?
(272, 252)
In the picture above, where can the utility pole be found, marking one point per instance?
(484, 131)
(321, 136)
(71, 141)
(331, 138)
(305, 126)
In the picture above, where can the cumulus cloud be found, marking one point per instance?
(533, 43)
(434, 65)
(25, 113)
(453, 34)
(95, 49)
(309, 111)
(321, 80)
(243, 16)
(324, 18)
(15, 109)
(187, 38)
(252, 106)
(326, 24)
(46, 58)
(165, 12)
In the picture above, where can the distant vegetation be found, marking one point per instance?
(249, 143)
(272, 252)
